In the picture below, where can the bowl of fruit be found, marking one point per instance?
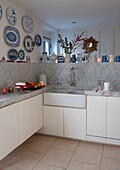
(29, 85)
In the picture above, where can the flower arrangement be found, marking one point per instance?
(71, 46)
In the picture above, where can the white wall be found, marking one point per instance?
(4, 48)
(108, 37)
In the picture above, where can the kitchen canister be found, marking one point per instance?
(43, 78)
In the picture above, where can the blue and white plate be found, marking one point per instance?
(21, 55)
(0, 12)
(12, 36)
(13, 54)
(11, 16)
(29, 44)
(38, 40)
(27, 24)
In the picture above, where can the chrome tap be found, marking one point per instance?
(72, 76)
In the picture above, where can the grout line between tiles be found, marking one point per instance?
(73, 154)
(45, 153)
(101, 158)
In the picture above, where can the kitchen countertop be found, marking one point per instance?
(17, 96)
(11, 98)
(115, 93)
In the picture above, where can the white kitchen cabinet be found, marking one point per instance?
(75, 123)
(8, 129)
(25, 120)
(96, 116)
(113, 118)
(53, 120)
(37, 109)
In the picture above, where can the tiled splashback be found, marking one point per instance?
(86, 74)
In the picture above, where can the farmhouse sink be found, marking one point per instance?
(58, 91)
(77, 92)
(65, 97)
(66, 91)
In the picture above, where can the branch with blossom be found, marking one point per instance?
(70, 47)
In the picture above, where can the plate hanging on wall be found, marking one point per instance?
(29, 43)
(38, 40)
(0, 12)
(11, 16)
(12, 36)
(21, 55)
(27, 24)
(13, 54)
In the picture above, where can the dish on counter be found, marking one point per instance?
(29, 85)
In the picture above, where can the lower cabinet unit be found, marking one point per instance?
(113, 120)
(96, 118)
(8, 130)
(75, 123)
(53, 120)
(25, 120)
(37, 109)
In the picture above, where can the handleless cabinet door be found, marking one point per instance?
(37, 109)
(75, 123)
(113, 117)
(96, 116)
(25, 120)
(53, 120)
(8, 130)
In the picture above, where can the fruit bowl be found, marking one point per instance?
(28, 86)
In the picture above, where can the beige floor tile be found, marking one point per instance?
(87, 155)
(66, 144)
(41, 166)
(39, 146)
(91, 145)
(13, 153)
(50, 139)
(111, 151)
(74, 165)
(25, 160)
(58, 158)
(110, 164)
(6, 167)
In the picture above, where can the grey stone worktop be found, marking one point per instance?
(11, 98)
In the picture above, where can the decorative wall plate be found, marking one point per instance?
(12, 54)
(38, 40)
(28, 24)
(21, 55)
(12, 36)
(0, 12)
(29, 43)
(11, 16)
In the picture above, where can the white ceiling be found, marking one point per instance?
(87, 13)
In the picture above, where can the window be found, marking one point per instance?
(47, 45)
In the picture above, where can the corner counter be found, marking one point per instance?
(11, 98)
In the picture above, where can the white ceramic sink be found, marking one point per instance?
(65, 98)
(58, 91)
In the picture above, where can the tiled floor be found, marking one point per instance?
(51, 153)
